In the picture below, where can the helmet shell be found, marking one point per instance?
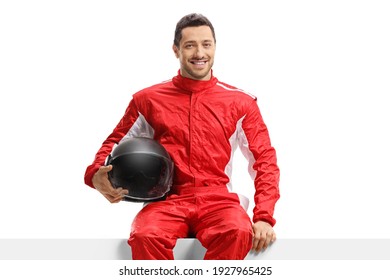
(143, 167)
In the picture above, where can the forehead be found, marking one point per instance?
(197, 33)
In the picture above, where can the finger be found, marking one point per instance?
(255, 242)
(262, 240)
(105, 168)
(268, 240)
(258, 242)
(117, 199)
(122, 191)
(113, 198)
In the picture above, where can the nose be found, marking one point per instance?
(199, 52)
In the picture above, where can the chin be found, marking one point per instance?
(201, 75)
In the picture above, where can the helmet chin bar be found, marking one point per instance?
(143, 200)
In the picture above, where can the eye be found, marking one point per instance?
(188, 46)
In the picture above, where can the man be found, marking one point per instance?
(200, 121)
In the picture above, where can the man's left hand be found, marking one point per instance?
(263, 235)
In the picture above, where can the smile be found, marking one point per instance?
(197, 62)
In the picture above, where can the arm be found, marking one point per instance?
(256, 147)
(96, 174)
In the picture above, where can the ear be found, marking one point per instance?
(175, 50)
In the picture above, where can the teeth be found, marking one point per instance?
(199, 62)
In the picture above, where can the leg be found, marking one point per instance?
(224, 228)
(155, 230)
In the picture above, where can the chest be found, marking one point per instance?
(206, 115)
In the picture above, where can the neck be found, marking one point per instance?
(192, 85)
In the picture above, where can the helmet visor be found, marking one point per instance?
(141, 174)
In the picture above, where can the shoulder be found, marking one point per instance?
(153, 91)
(154, 88)
(236, 91)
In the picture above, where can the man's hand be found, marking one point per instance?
(102, 184)
(263, 235)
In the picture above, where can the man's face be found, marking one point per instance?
(196, 52)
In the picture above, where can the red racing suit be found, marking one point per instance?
(201, 123)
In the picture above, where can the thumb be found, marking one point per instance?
(105, 168)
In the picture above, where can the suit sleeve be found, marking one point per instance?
(119, 132)
(256, 147)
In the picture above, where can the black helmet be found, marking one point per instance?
(143, 167)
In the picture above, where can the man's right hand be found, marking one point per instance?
(102, 184)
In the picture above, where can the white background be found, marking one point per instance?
(320, 70)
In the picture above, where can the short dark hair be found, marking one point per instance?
(191, 20)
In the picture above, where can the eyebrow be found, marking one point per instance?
(193, 41)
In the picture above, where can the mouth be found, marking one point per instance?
(198, 63)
